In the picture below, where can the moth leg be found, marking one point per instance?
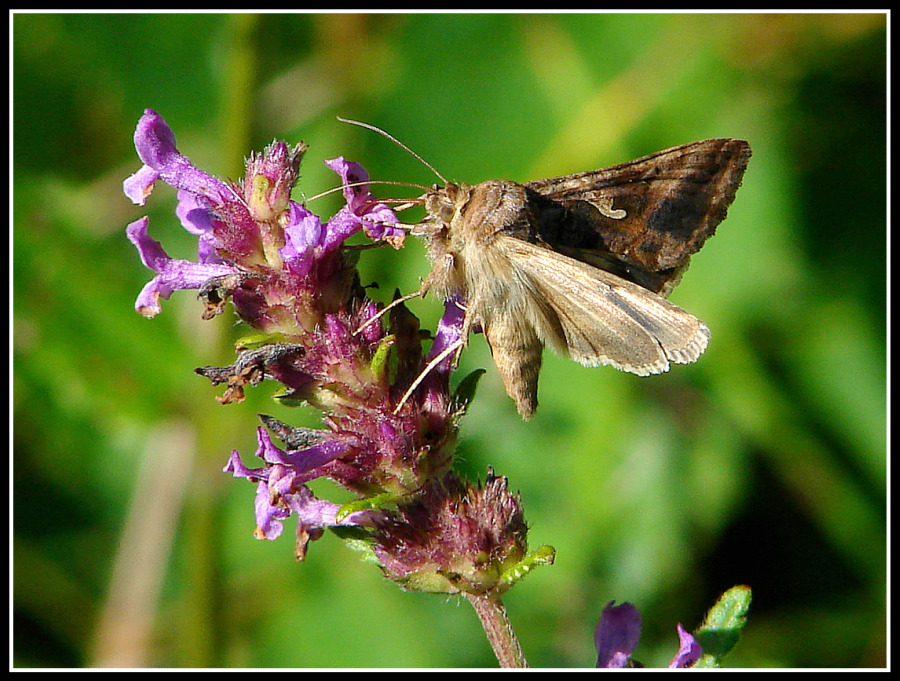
(440, 277)
(450, 349)
(375, 317)
(429, 282)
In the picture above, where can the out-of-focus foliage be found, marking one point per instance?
(763, 464)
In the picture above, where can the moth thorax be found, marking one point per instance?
(495, 207)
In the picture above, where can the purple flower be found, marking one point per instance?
(199, 195)
(155, 144)
(304, 234)
(619, 631)
(287, 276)
(447, 340)
(362, 210)
(253, 229)
(454, 537)
(449, 332)
(281, 489)
(689, 651)
(171, 274)
(617, 635)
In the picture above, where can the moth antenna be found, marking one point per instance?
(381, 312)
(236, 195)
(407, 205)
(398, 143)
(453, 347)
(359, 184)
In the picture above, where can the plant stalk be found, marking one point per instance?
(498, 630)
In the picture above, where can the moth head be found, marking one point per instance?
(443, 203)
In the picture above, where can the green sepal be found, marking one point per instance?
(428, 581)
(722, 627)
(285, 396)
(255, 341)
(374, 503)
(545, 555)
(358, 539)
(465, 391)
(379, 364)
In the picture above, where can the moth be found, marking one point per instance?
(582, 263)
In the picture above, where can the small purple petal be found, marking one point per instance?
(617, 635)
(155, 145)
(362, 211)
(299, 461)
(380, 225)
(352, 174)
(154, 139)
(303, 234)
(172, 274)
(347, 222)
(449, 331)
(150, 250)
(266, 449)
(237, 467)
(317, 455)
(343, 224)
(281, 481)
(140, 185)
(267, 516)
(194, 213)
(304, 227)
(314, 512)
(689, 650)
(280, 493)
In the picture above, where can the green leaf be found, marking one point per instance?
(722, 627)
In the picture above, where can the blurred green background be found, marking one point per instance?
(763, 464)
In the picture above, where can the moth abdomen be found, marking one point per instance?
(517, 353)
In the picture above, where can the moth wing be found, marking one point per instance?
(653, 212)
(604, 319)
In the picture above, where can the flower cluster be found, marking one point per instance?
(456, 539)
(290, 276)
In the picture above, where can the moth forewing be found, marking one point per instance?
(652, 213)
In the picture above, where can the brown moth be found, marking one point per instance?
(582, 262)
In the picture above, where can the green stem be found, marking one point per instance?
(498, 630)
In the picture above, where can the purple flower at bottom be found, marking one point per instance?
(689, 650)
(619, 631)
(617, 635)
